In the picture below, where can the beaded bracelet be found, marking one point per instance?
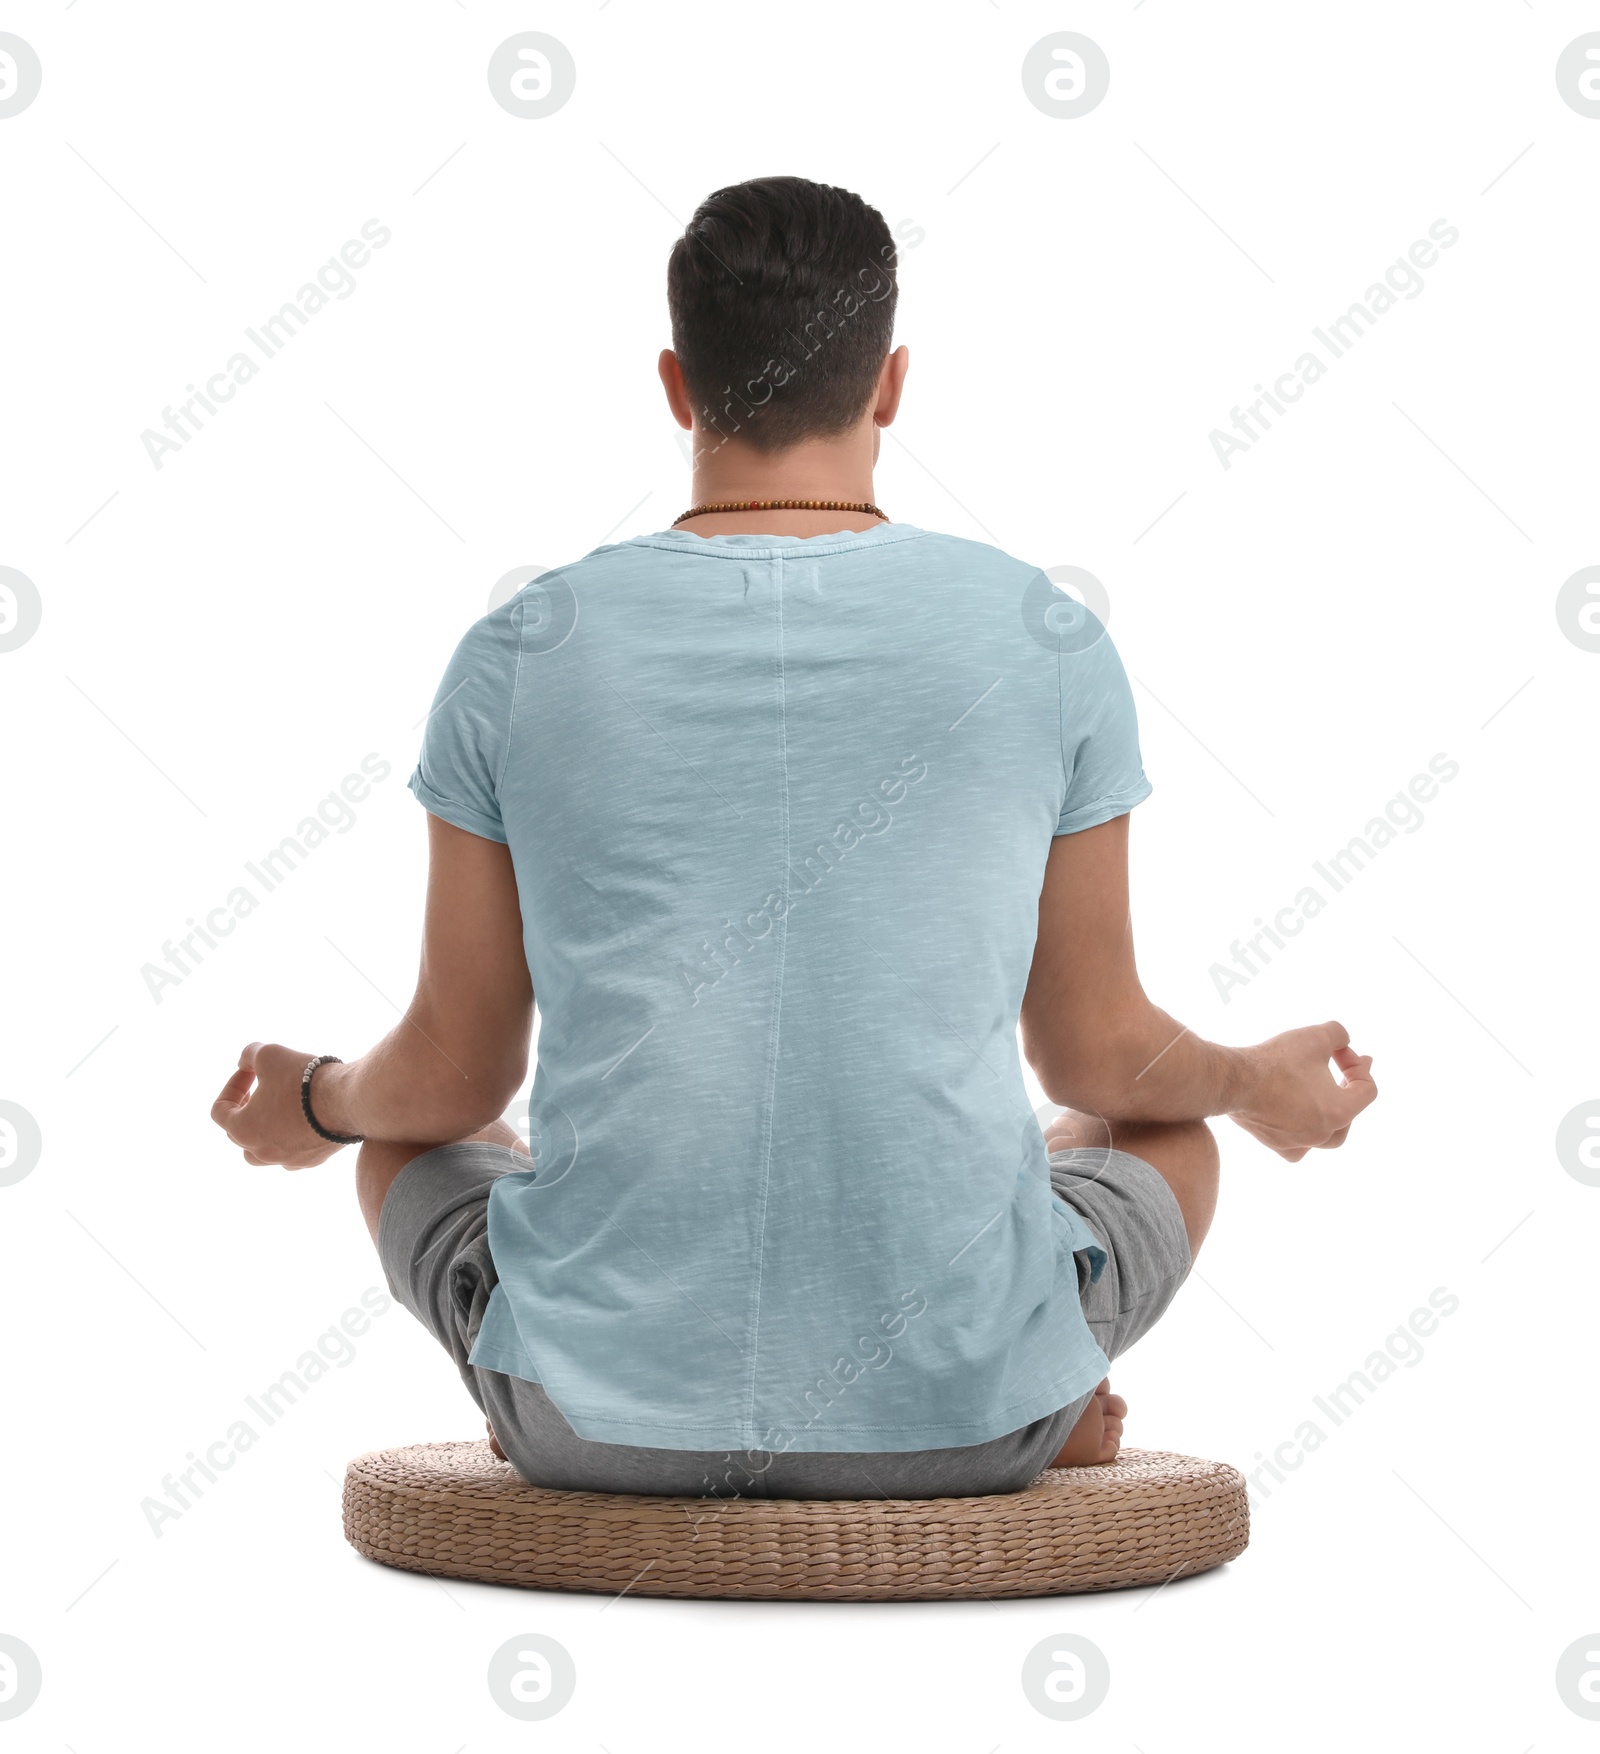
(305, 1103)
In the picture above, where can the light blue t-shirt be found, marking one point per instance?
(779, 810)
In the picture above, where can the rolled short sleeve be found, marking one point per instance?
(1103, 774)
(467, 738)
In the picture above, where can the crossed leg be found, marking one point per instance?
(1185, 1154)
(378, 1164)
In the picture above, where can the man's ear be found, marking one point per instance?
(677, 391)
(891, 381)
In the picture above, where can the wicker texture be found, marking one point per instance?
(452, 1510)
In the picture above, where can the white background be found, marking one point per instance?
(223, 639)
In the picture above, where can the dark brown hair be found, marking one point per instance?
(782, 296)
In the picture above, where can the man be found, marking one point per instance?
(788, 815)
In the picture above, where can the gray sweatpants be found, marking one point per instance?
(434, 1244)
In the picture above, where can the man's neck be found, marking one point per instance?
(832, 469)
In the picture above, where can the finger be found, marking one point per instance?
(1356, 1094)
(235, 1090)
(1292, 1155)
(1352, 1064)
(259, 1162)
(1336, 1036)
(248, 1055)
(225, 1113)
(1353, 1093)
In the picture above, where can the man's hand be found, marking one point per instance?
(268, 1122)
(1287, 1097)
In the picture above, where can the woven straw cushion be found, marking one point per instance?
(453, 1510)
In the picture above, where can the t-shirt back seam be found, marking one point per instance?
(777, 1007)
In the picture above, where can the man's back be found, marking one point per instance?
(779, 811)
(791, 826)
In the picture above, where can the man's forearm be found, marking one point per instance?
(1185, 1078)
(1147, 1068)
(408, 1088)
(1152, 1068)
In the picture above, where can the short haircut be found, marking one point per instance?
(782, 296)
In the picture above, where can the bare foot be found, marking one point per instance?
(1097, 1436)
(494, 1442)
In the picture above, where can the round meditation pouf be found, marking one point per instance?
(453, 1510)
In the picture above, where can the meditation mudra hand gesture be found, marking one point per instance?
(260, 1109)
(446, 1072)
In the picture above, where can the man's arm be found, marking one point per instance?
(454, 1062)
(1098, 1044)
